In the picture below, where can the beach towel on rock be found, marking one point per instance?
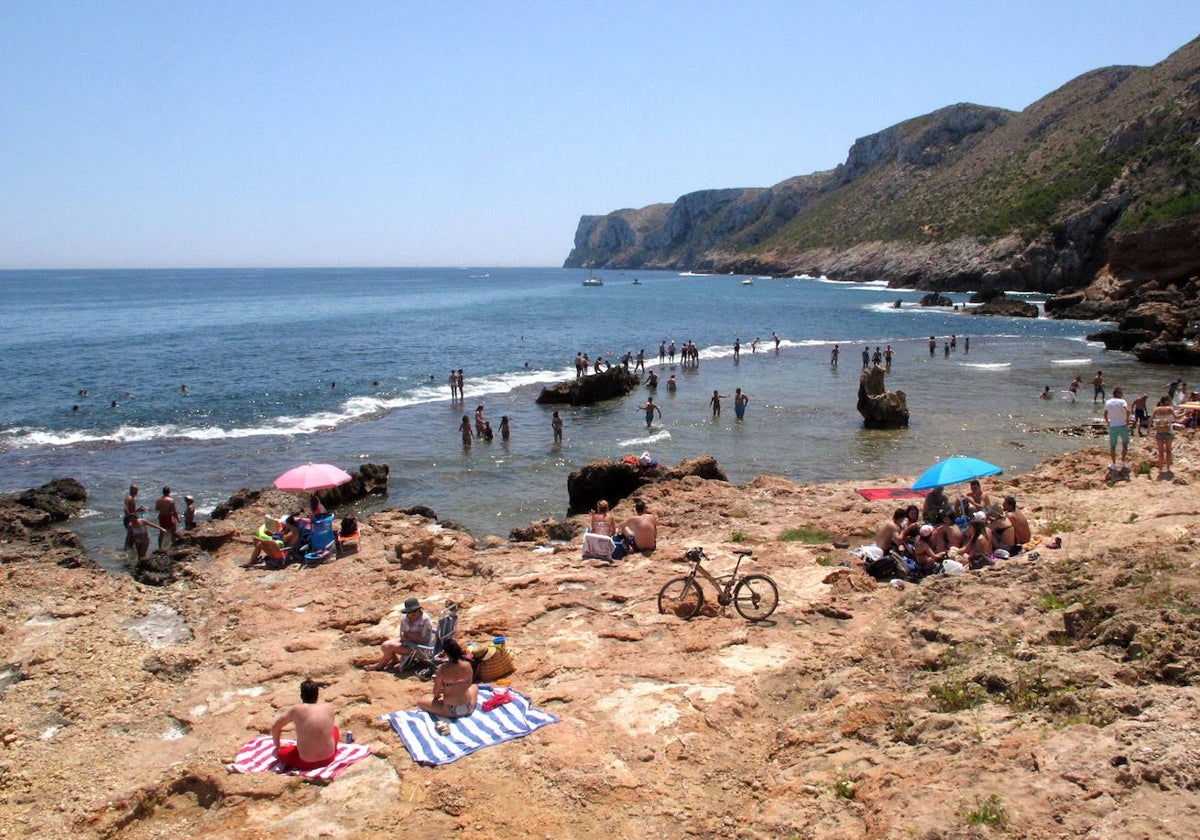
(874, 494)
(258, 756)
(513, 719)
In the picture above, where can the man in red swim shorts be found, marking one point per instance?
(316, 736)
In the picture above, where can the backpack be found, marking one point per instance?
(890, 566)
(349, 525)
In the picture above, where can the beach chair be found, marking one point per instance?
(348, 534)
(322, 541)
(599, 546)
(426, 657)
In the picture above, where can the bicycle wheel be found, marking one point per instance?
(681, 596)
(756, 597)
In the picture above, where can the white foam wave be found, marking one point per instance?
(1070, 361)
(353, 409)
(655, 437)
(986, 365)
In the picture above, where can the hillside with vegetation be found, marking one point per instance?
(1098, 179)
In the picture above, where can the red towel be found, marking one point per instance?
(498, 699)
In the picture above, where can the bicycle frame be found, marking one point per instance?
(723, 583)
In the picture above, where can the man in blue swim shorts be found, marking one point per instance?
(1116, 415)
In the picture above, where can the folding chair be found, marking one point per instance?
(429, 655)
(322, 542)
(348, 534)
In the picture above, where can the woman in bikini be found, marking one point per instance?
(1162, 418)
(454, 691)
(602, 520)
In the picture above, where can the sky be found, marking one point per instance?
(217, 134)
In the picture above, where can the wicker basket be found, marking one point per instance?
(496, 664)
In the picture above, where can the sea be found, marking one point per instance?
(212, 380)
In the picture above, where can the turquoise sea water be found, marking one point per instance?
(281, 364)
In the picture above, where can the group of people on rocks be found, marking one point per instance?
(454, 693)
(639, 532)
(1123, 419)
(971, 529)
(137, 527)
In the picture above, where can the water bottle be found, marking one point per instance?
(349, 737)
(498, 641)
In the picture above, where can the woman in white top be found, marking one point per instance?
(602, 520)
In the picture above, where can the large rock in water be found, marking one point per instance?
(593, 388)
(615, 480)
(1011, 307)
(27, 521)
(880, 408)
(367, 480)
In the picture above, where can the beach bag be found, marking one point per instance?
(496, 664)
(890, 566)
(952, 567)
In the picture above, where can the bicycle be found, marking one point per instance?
(755, 596)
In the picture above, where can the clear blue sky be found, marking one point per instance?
(248, 133)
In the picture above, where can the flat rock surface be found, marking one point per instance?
(1055, 696)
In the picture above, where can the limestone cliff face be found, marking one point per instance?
(1102, 174)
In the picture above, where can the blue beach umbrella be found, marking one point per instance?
(954, 470)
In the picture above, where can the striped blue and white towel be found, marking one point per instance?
(514, 719)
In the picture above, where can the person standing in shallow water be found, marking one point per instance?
(556, 424)
(168, 519)
(740, 401)
(465, 428)
(650, 407)
(504, 430)
(715, 402)
(833, 356)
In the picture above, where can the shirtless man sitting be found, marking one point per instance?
(889, 535)
(316, 736)
(1021, 531)
(641, 529)
(975, 500)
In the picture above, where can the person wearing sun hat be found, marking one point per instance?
(416, 629)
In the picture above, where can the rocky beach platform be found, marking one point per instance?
(1046, 698)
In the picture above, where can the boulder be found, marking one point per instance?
(615, 480)
(604, 479)
(1161, 352)
(209, 536)
(880, 408)
(367, 480)
(593, 388)
(936, 299)
(1006, 306)
(61, 498)
(546, 530)
(1122, 340)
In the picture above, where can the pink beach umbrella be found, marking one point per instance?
(311, 477)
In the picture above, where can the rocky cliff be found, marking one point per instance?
(1099, 175)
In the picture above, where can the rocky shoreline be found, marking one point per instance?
(1053, 697)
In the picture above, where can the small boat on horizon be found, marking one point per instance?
(637, 282)
(593, 281)
(749, 281)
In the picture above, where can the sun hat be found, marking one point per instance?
(411, 605)
(995, 511)
(926, 530)
(980, 516)
(188, 499)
